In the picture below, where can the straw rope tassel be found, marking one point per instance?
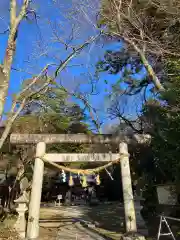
(71, 182)
(98, 181)
(84, 181)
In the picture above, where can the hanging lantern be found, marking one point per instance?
(84, 181)
(71, 182)
(98, 181)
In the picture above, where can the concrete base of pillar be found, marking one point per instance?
(141, 225)
(94, 201)
(132, 236)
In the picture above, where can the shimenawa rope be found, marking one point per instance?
(83, 171)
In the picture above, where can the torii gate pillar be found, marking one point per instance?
(35, 198)
(129, 209)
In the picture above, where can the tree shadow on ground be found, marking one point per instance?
(109, 217)
(94, 231)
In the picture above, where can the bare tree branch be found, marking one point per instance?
(147, 65)
(23, 11)
(130, 42)
(13, 115)
(142, 27)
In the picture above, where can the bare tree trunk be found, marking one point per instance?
(10, 50)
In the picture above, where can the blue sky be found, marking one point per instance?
(35, 39)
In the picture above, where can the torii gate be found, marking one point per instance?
(42, 139)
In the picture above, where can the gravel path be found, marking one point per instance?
(107, 218)
(72, 225)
